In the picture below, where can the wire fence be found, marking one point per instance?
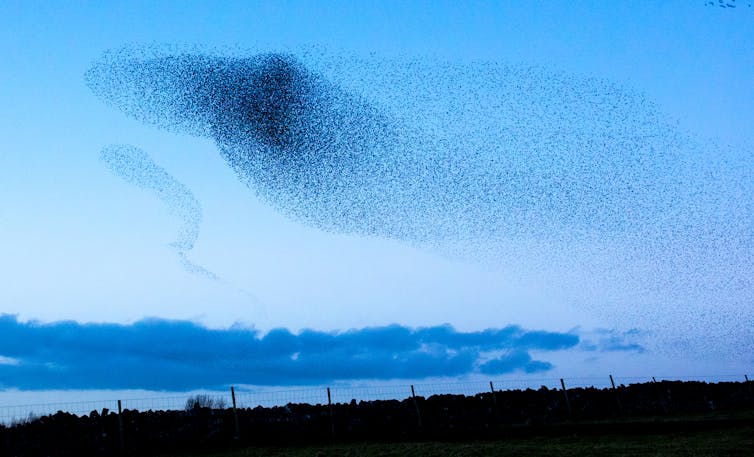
(255, 396)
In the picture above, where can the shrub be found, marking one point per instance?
(205, 401)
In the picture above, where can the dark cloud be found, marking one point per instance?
(514, 361)
(177, 355)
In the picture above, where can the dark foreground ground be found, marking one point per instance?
(664, 418)
(733, 442)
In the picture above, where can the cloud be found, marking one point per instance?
(8, 361)
(514, 361)
(611, 340)
(178, 355)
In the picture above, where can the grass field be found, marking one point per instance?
(730, 442)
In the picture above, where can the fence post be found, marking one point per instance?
(617, 397)
(332, 422)
(660, 396)
(568, 401)
(235, 413)
(494, 402)
(121, 438)
(416, 406)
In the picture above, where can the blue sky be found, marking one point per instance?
(84, 244)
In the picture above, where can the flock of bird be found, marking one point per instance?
(520, 164)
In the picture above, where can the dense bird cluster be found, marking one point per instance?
(523, 164)
(497, 152)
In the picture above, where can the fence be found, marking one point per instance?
(251, 397)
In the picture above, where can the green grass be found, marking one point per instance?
(731, 442)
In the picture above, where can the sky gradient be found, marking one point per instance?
(95, 254)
